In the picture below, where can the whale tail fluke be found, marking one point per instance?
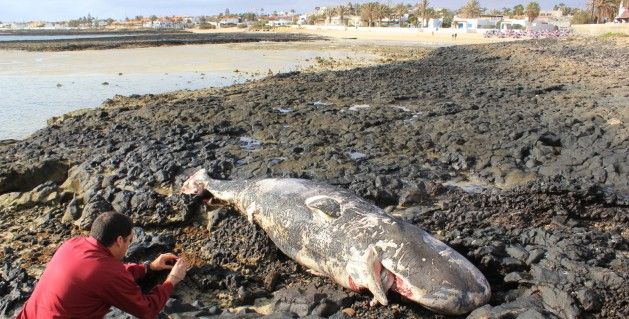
(196, 183)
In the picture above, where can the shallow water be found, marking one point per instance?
(36, 86)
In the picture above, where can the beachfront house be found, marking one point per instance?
(473, 24)
(513, 24)
(302, 19)
(229, 21)
(282, 22)
(173, 22)
(434, 24)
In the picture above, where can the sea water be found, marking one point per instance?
(35, 86)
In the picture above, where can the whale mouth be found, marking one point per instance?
(444, 301)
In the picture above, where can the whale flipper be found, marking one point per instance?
(324, 204)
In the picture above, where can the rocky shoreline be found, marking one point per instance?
(514, 154)
(123, 40)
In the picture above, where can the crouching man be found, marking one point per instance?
(86, 276)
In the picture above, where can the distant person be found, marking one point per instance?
(86, 276)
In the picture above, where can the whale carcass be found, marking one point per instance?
(337, 234)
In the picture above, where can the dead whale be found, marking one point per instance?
(335, 233)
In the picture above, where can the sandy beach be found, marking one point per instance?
(382, 35)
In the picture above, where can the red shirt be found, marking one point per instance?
(83, 280)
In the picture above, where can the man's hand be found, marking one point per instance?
(178, 272)
(163, 261)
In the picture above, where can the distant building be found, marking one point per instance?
(229, 21)
(279, 22)
(556, 14)
(164, 23)
(434, 24)
(513, 24)
(472, 24)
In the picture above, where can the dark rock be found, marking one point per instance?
(144, 243)
(94, 207)
(509, 309)
(25, 179)
(589, 299)
(517, 252)
(303, 301)
(561, 302)
(174, 306)
(72, 212)
(281, 315)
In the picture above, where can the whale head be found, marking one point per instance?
(427, 271)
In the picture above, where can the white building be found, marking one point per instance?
(19, 25)
(157, 24)
(623, 14)
(279, 23)
(434, 24)
(473, 24)
(511, 24)
(229, 21)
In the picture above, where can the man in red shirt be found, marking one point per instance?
(86, 276)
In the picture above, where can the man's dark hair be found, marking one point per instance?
(109, 225)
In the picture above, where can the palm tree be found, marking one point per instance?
(399, 11)
(329, 13)
(367, 12)
(518, 10)
(341, 11)
(471, 9)
(604, 9)
(381, 11)
(422, 9)
(532, 11)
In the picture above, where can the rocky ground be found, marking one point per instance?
(123, 39)
(514, 154)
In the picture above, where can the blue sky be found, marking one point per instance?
(54, 10)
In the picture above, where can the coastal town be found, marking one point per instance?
(472, 17)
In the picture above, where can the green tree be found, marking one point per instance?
(204, 24)
(248, 16)
(446, 17)
(471, 9)
(532, 10)
(581, 17)
(518, 10)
